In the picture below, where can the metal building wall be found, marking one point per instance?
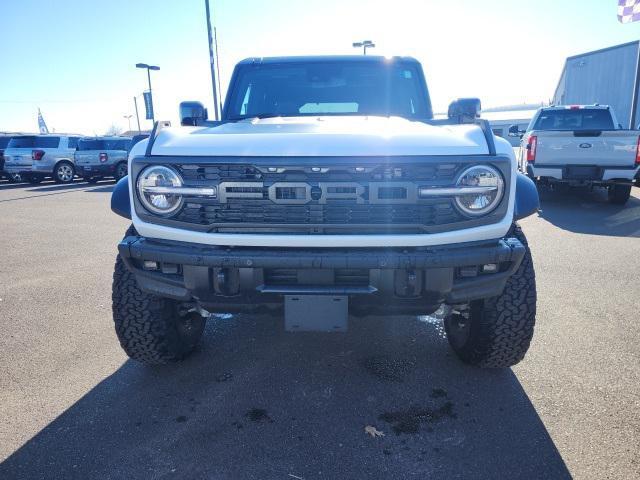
(605, 76)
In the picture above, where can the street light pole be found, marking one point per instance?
(212, 61)
(364, 44)
(128, 117)
(149, 68)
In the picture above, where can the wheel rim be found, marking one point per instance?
(122, 170)
(190, 326)
(16, 177)
(459, 330)
(65, 173)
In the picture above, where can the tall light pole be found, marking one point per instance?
(128, 117)
(364, 44)
(149, 68)
(212, 60)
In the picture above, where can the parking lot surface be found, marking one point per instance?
(256, 402)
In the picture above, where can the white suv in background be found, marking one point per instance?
(36, 157)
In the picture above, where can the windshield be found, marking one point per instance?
(329, 88)
(31, 141)
(574, 119)
(100, 144)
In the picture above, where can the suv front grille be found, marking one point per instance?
(334, 198)
(378, 198)
(264, 213)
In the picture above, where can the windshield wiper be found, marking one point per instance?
(237, 118)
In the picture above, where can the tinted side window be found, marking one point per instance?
(121, 144)
(73, 142)
(46, 142)
(22, 142)
(89, 144)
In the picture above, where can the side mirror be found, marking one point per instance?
(465, 109)
(192, 113)
(514, 131)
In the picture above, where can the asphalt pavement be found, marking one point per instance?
(255, 402)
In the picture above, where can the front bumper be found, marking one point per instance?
(408, 281)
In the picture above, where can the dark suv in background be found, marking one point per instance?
(4, 141)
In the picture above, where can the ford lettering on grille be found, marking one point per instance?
(337, 199)
(300, 193)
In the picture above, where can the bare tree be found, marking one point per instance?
(113, 130)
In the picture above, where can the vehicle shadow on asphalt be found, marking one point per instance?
(56, 187)
(588, 211)
(5, 185)
(256, 402)
(102, 187)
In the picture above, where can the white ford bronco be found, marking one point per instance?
(327, 189)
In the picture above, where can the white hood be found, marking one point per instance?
(321, 136)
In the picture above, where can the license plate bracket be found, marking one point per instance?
(316, 313)
(582, 172)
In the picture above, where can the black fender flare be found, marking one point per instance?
(120, 202)
(527, 199)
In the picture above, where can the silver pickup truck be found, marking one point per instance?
(581, 145)
(99, 157)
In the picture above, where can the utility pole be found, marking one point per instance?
(215, 41)
(212, 62)
(135, 103)
(364, 44)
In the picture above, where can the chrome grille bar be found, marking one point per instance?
(204, 191)
(455, 191)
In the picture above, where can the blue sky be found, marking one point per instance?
(75, 59)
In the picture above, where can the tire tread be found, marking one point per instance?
(146, 324)
(502, 327)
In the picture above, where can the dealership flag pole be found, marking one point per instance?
(41, 125)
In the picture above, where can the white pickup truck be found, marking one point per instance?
(581, 145)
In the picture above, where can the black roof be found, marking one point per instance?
(326, 58)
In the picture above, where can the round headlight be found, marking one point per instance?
(485, 186)
(154, 189)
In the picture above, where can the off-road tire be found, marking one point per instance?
(619, 194)
(149, 327)
(498, 330)
(64, 172)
